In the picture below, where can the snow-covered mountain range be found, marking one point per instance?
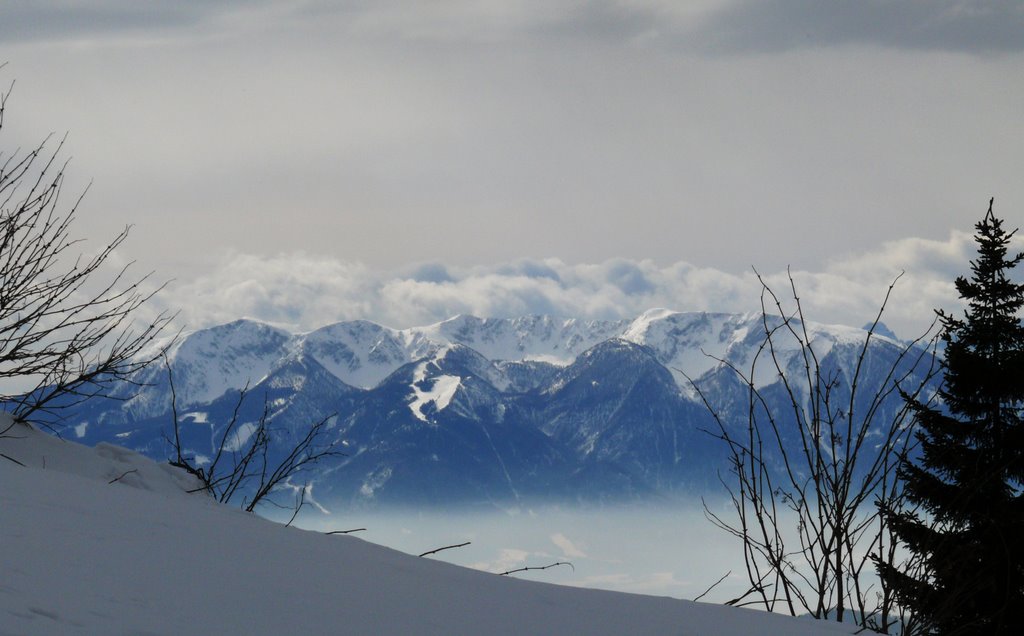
(475, 410)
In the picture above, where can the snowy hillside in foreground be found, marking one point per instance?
(82, 555)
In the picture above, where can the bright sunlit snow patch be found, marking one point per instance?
(444, 389)
(440, 393)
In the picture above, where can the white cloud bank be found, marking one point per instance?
(303, 291)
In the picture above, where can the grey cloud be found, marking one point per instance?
(603, 21)
(430, 273)
(22, 20)
(529, 269)
(978, 26)
(628, 277)
(973, 26)
(301, 291)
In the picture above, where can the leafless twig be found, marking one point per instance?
(7, 457)
(300, 501)
(713, 586)
(537, 567)
(447, 547)
(123, 475)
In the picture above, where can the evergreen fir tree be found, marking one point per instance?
(968, 530)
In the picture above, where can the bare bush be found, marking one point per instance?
(806, 478)
(67, 329)
(249, 472)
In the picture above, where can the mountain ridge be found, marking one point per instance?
(479, 411)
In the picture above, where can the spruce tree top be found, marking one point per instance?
(968, 478)
(983, 350)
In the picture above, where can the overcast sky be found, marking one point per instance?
(310, 161)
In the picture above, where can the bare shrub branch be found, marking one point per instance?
(537, 567)
(712, 586)
(447, 547)
(9, 458)
(123, 475)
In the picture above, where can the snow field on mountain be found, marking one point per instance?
(104, 541)
(440, 393)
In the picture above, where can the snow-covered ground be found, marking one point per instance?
(104, 541)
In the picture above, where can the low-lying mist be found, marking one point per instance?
(660, 549)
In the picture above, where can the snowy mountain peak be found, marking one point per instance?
(881, 329)
(531, 337)
(211, 361)
(361, 353)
